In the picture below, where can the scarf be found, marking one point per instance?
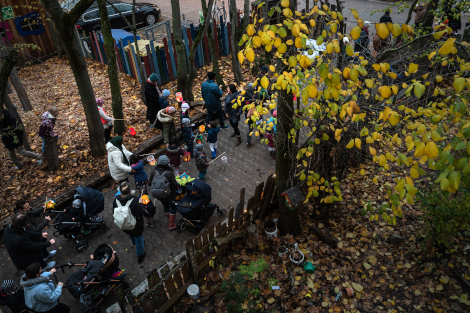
(117, 142)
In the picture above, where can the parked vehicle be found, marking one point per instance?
(145, 13)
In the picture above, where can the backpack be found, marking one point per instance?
(123, 217)
(160, 186)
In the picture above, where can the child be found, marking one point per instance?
(184, 111)
(47, 125)
(187, 134)
(271, 147)
(106, 120)
(174, 153)
(150, 209)
(140, 176)
(212, 138)
(273, 120)
(201, 161)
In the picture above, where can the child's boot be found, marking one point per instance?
(147, 221)
(213, 155)
(167, 215)
(239, 141)
(171, 221)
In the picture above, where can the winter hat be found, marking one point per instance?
(275, 113)
(170, 110)
(77, 203)
(186, 121)
(165, 93)
(99, 101)
(264, 69)
(345, 40)
(184, 106)
(366, 24)
(8, 285)
(153, 77)
(163, 160)
(199, 147)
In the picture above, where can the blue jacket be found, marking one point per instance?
(139, 174)
(212, 134)
(163, 102)
(40, 294)
(187, 135)
(211, 94)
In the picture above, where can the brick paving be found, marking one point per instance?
(245, 168)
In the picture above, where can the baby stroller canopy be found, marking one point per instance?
(201, 187)
(93, 199)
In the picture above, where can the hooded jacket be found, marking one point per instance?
(211, 94)
(118, 169)
(169, 175)
(40, 294)
(137, 209)
(21, 247)
(174, 153)
(233, 114)
(168, 125)
(151, 99)
(212, 134)
(188, 136)
(11, 131)
(47, 125)
(139, 174)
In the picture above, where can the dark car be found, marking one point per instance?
(147, 14)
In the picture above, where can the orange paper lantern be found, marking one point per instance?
(179, 96)
(202, 128)
(186, 157)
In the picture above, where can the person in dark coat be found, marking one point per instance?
(174, 152)
(12, 297)
(12, 138)
(232, 114)
(165, 117)
(187, 134)
(211, 94)
(163, 100)
(169, 206)
(152, 96)
(20, 244)
(386, 17)
(23, 206)
(137, 210)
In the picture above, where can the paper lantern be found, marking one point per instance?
(186, 157)
(224, 159)
(50, 204)
(132, 131)
(151, 160)
(199, 139)
(145, 199)
(202, 128)
(179, 97)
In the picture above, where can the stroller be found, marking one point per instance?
(90, 222)
(96, 279)
(195, 207)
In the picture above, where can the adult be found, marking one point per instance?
(118, 160)
(386, 17)
(250, 97)
(106, 120)
(137, 210)
(163, 100)
(40, 292)
(361, 44)
(211, 94)
(232, 114)
(32, 226)
(20, 244)
(12, 138)
(163, 168)
(152, 96)
(165, 117)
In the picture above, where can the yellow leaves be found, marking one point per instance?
(354, 13)
(382, 30)
(346, 72)
(419, 151)
(312, 23)
(305, 61)
(282, 32)
(282, 48)
(265, 82)
(436, 136)
(357, 143)
(396, 30)
(312, 91)
(436, 118)
(354, 74)
(350, 144)
(376, 67)
(385, 92)
(412, 68)
(334, 27)
(459, 84)
(349, 50)
(250, 30)
(356, 32)
(446, 48)
(431, 150)
(287, 12)
(382, 160)
(329, 48)
(419, 89)
(372, 151)
(323, 70)
(292, 61)
(250, 54)
(241, 57)
(414, 174)
(296, 30)
(257, 41)
(394, 119)
(285, 3)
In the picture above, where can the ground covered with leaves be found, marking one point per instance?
(379, 261)
(52, 83)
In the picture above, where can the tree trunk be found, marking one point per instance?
(52, 154)
(64, 24)
(12, 109)
(215, 61)
(181, 69)
(139, 59)
(288, 219)
(237, 71)
(116, 97)
(246, 15)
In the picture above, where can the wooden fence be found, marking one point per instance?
(166, 289)
(160, 58)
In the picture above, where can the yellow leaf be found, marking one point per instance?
(412, 68)
(312, 91)
(271, 300)
(265, 82)
(414, 173)
(382, 160)
(356, 32)
(282, 48)
(382, 30)
(285, 3)
(396, 30)
(385, 92)
(357, 143)
(350, 144)
(431, 150)
(355, 13)
(446, 48)
(241, 57)
(250, 54)
(372, 151)
(394, 119)
(459, 84)
(349, 50)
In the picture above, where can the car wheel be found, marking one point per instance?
(150, 19)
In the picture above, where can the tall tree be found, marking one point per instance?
(246, 15)
(139, 59)
(210, 39)
(64, 23)
(116, 97)
(237, 71)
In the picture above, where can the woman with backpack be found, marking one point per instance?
(163, 186)
(128, 214)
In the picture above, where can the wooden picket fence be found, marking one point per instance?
(165, 291)
(161, 57)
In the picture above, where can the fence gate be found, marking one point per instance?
(157, 32)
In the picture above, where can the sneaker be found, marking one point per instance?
(49, 266)
(39, 161)
(141, 258)
(224, 127)
(51, 254)
(148, 224)
(151, 225)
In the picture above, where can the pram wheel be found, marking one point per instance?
(93, 309)
(181, 225)
(81, 246)
(103, 228)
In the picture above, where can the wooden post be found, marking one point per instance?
(192, 261)
(12, 109)
(52, 154)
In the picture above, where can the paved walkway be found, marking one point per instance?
(245, 167)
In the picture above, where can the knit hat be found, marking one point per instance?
(163, 160)
(170, 110)
(77, 203)
(153, 77)
(199, 147)
(186, 121)
(366, 24)
(166, 93)
(264, 69)
(184, 106)
(99, 101)
(8, 285)
(275, 113)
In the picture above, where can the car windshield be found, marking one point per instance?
(91, 15)
(67, 5)
(122, 7)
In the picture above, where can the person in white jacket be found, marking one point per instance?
(118, 160)
(106, 120)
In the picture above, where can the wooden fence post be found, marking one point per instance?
(192, 261)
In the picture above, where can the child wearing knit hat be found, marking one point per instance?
(201, 161)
